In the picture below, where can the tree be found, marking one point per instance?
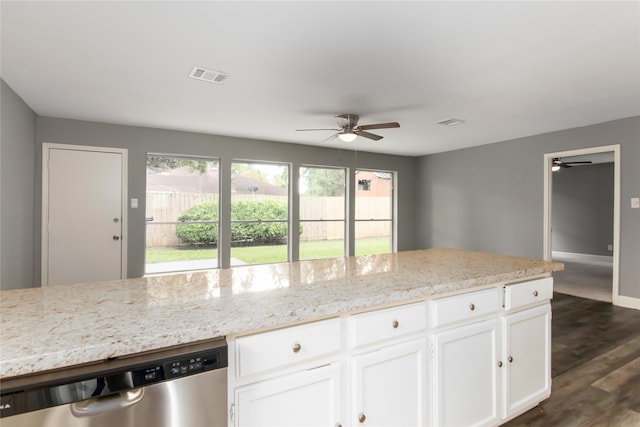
(323, 181)
(164, 163)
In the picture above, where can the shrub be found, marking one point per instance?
(199, 234)
(260, 232)
(264, 232)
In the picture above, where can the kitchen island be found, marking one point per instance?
(56, 327)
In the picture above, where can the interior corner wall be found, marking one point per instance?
(139, 141)
(17, 190)
(490, 197)
(582, 202)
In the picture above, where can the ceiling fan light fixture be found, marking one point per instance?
(347, 137)
(555, 168)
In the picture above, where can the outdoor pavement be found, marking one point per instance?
(177, 266)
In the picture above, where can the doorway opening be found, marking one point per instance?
(583, 230)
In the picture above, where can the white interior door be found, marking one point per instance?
(84, 218)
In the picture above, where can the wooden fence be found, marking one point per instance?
(166, 207)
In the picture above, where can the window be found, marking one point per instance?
(181, 213)
(259, 213)
(364, 184)
(374, 212)
(322, 212)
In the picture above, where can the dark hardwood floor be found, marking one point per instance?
(595, 366)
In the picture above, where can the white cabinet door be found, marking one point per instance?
(527, 359)
(389, 386)
(466, 375)
(307, 398)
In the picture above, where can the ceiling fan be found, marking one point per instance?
(557, 163)
(348, 129)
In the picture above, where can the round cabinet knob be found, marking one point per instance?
(338, 425)
(500, 364)
(116, 220)
(510, 359)
(296, 348)
(116, 237)
(535, 293)
(395, 324)
(472, 306)
(362, 417)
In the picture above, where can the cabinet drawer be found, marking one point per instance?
(283, 347)
(464, 307)
(527, 293)
(389, 323)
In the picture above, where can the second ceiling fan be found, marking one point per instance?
(348, 129)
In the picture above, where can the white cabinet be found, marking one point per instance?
(491, 363)
(388, 386)
(307, 398)
(466, 374)
(527, 359)
(473, 359)
(287, 377)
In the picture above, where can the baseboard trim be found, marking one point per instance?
(582, 258)
(628, 302)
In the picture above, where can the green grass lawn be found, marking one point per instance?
(268, 254)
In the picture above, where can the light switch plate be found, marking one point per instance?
(635, 202)
(134, 203)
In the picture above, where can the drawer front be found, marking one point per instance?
(389, 323)
(527, 293)
(283, 347)
(466, 306)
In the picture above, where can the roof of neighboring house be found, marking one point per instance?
(186, 180)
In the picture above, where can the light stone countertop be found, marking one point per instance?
(60, 326)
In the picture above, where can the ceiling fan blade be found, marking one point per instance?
(367, 135)
(577, 163)
(380, 126)
(304, 130)
(332, 137)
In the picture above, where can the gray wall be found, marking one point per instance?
(490, 198)
(582, 208)
(17, 179)
(139, 141)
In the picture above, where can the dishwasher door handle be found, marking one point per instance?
(101, 405)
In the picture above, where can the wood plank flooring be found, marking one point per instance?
(595, 367)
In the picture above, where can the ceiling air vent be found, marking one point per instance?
(210, 76)
(451, 122)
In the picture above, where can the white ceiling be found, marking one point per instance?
(509, 69)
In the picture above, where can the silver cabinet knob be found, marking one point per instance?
(395, 324)
(296, 347)
(362, 417)
(472, 306)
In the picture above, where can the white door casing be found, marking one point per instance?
(84, 221)
(547, 207)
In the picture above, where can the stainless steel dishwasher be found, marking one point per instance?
(183, 386)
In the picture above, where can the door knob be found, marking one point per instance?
(116, 237)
